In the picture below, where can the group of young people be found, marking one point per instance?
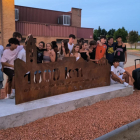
(114, 52)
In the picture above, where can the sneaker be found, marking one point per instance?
(11, 97)
(8, 96)
(126, 84)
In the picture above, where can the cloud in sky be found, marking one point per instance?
(105, 13)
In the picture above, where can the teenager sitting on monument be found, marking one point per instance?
(84, 53)
(64, 50)
(71, 42)
(117, 76)
(7, 60)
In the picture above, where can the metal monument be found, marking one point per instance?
(35, 81)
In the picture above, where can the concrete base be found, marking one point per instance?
(12, 115)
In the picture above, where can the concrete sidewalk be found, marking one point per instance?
(130, 60)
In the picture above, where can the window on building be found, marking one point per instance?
(66, 19)
(16, 14)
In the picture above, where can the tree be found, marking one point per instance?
(111, 32)
(103, 32)
(133, 37)
(95, 37)
(121, 32)
(98, 32)
(139, 38)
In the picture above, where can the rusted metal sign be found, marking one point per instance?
(35, 81)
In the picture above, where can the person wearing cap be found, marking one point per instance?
(121, 52)
(101, 48)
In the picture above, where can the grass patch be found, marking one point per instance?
(133, 49)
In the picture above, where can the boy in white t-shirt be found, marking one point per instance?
(119, 75)
(71, 42)
(7, 60)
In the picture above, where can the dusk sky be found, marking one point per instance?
(107, 14)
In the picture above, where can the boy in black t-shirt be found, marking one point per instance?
(121, 52)
(92, 49)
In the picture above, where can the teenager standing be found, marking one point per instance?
(121, 52)
(71, 42)
(75, 52)
(92, 49)
(40, 51)
(101, 49)
(84, 53)
(7, 60)
(64, 50)
(18, 36)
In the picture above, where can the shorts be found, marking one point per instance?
(115, 82)
(36, 72)
(48, 71)
(9, 73)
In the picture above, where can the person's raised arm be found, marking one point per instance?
(71, 55)
(125, 57)
(88, 57)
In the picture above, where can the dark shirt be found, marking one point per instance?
(40, 55)
(8, 45)
(92, 54)
(110, 52)
(84, 55)
(120, 53)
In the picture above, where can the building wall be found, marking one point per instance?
(7, 20)
(76, 17)
(37, 29)
(39, 15)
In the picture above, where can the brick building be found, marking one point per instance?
(44, 25)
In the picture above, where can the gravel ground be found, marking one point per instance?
(85, 123)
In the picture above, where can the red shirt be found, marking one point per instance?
(100, 51)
